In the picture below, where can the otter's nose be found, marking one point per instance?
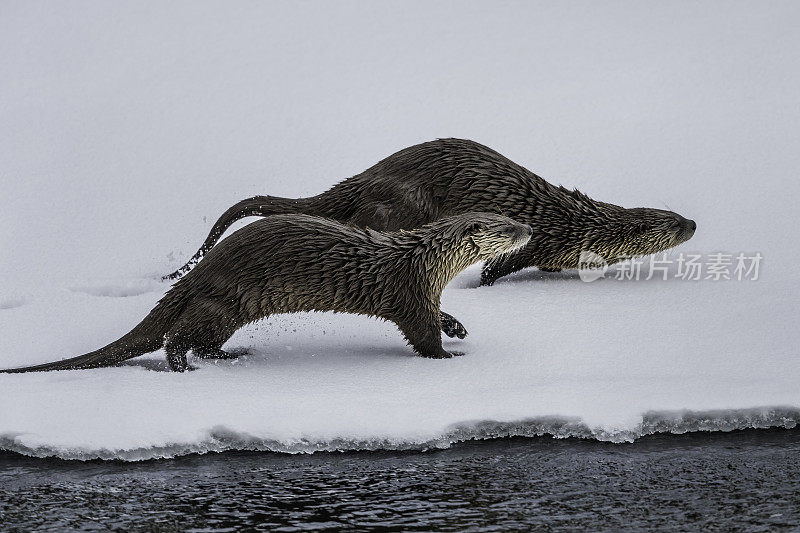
(524, 231)
(687, 226)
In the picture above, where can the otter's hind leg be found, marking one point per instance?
(203, 328)
(451, 326)
(176, 356)
(209, 346)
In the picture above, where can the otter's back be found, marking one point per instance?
(292, 263)
(431, 180)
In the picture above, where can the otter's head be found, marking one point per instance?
(638, 232)
(493, 235)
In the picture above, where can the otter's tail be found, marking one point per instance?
(256, 206)
(147, 337)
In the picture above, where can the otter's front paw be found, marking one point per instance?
(452, 327)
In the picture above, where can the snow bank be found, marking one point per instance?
(129, 127)
(609, 360)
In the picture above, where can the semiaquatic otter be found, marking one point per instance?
(445, 177)
(293, 263)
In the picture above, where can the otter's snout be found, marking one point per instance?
(521, 233)
(686, 228)
(519, 230)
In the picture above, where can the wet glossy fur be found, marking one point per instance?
(293, 263)
(445, 177)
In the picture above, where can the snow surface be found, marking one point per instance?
(128, 127)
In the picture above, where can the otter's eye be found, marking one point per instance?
(476, 227)
(642, 227)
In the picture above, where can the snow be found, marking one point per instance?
(129, 127)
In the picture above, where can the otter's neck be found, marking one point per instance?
(438, 255)
(575, 224)
(564, 222)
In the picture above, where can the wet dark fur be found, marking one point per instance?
(445, 177)
(293, 263)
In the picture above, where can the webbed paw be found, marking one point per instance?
(452, 327)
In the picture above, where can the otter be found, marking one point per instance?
(294, 263)
(445, 177)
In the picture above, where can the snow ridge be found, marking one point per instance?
(222, 439)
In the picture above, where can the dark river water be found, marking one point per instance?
(745, 480)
